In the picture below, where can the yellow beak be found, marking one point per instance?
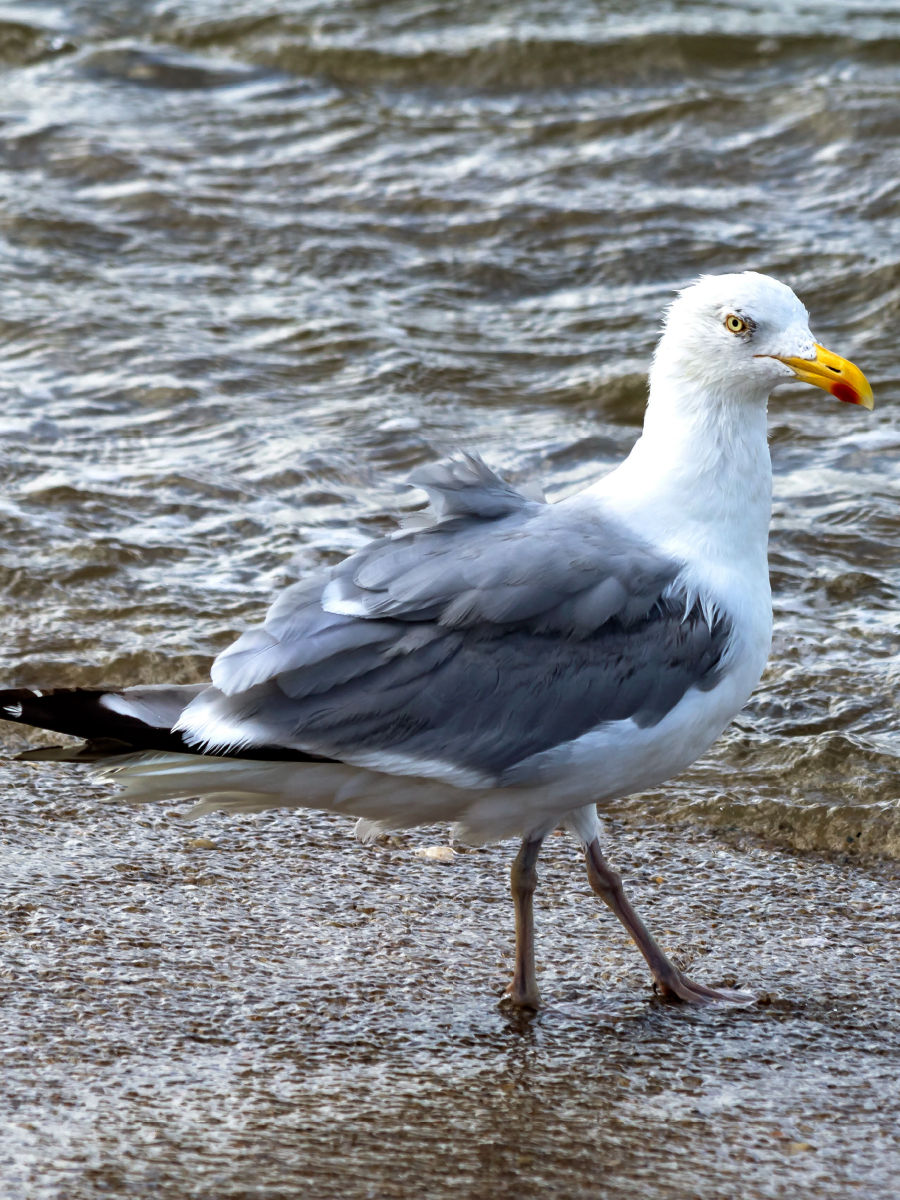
(834, 374)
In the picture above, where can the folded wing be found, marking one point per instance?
(462, 650)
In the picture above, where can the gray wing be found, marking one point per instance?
(504, 629)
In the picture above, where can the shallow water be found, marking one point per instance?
(258, 261)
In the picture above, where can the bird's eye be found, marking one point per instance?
(735, 325)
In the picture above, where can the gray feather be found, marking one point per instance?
(504, 629)
(483, 699)
(466, 486)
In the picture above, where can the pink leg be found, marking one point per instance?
(671, 982)
(523, 991)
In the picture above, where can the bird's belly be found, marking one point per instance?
(621, 757)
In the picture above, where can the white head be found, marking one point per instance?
(700, 473)
(735, 337)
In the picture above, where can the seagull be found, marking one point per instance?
(509, 664)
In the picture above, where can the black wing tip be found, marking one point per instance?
(10, 697)
(105, 733)
(13, 701)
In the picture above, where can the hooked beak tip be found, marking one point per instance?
(842, 378)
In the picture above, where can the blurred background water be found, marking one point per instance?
(259, 259)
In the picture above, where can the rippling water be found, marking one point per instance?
(261, 259)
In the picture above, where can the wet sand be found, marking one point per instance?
(260, 1006)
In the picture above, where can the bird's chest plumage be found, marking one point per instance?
(619, 757)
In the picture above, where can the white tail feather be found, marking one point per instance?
(249, 785)
(379, 801)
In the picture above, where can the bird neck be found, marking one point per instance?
(700, 474)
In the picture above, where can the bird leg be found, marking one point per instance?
(670, 981)
(523, 991)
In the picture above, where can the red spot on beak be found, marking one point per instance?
(845, 392)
